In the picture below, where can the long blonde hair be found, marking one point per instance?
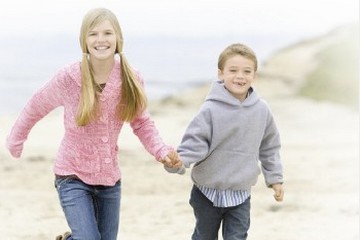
(133, 99)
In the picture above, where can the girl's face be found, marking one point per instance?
(238, 75)
(101, 41)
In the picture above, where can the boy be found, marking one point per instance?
(232, 132)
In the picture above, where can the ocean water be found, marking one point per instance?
(168, 64)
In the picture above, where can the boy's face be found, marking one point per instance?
(238, 75)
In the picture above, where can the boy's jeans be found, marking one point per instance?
(92, 212)
(235, 220)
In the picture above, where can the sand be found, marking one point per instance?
(320, 157)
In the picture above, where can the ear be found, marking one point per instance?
(220, 74)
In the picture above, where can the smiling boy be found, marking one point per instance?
(233, 131)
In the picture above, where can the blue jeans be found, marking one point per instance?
(235, 220)
(92, 212)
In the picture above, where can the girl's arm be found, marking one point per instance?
(144, 128)
(42, 102)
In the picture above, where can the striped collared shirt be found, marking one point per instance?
(225, 198)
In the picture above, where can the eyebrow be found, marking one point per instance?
(241, 67)
(105, 30)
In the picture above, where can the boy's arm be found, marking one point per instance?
(196, 141)
(269, 154)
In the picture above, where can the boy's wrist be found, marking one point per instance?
(180, 170)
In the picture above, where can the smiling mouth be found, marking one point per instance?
(102, 48)
(239, 84)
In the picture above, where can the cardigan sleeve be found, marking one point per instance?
(144, 128)
(41, 103)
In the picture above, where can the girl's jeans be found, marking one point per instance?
(92, 212)
(235, 220)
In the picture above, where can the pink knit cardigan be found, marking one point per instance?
(90, 151)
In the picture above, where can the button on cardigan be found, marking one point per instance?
(90, 151)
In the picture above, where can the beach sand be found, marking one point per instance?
(319, 152)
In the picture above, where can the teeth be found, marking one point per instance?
(101, 48)
(241, 84)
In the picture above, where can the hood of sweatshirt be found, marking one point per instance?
(219, 93)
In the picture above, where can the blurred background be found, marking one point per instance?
(309, 73)
(175, 44)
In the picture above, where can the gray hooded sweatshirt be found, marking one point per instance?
(228, 139)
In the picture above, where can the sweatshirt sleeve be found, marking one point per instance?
(196, 141)
(271, 165)
(41, 103)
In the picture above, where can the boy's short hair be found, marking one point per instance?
(237, 49)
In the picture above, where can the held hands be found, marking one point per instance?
(173, 163)
(278, 191)
(172, 160)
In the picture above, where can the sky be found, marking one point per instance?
(185, 17)
(170, 42)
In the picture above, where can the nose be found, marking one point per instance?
(100, 37)
(239, 75)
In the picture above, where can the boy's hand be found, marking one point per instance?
(173, 164)
(172, 160)
(278, 191)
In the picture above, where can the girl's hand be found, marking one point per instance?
(172, 160)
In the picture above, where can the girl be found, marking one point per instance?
(98, 94)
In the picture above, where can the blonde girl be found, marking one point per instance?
(98, 94)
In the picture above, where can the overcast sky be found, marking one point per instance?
(32, 31)
(182, 17)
